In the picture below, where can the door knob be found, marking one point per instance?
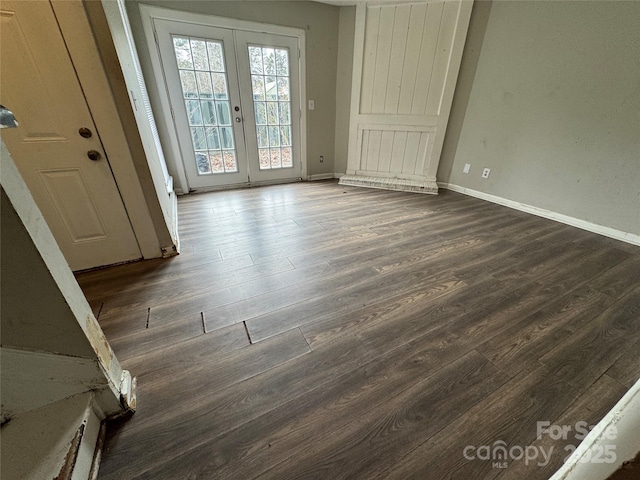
(238, 119)
(94, 155)
(85, 132)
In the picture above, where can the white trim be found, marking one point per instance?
(234, 186)
(303, 102)
(320, 176)
(338, 175)
(541, 212)
(356, 84)
(173, 149)
(120, 29)
(149, 13)
(625, 418)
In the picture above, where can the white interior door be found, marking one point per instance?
(235, 102)
(77, 195)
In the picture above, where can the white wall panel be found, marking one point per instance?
(406, 60)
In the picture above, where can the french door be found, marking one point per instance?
(235, 102)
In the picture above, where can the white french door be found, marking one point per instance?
(235, 102)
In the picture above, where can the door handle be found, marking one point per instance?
(238, 119)
(94, 155)
(85, 132)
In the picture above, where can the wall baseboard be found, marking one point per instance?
(320, 176)
(541, 212)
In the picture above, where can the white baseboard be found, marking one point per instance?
(320, 176)
(541, 212)
(338, 175)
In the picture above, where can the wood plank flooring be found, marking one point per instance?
(318, 331)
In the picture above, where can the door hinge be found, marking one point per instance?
(155, 36)
(172, 114)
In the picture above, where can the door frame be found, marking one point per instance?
(150, 13)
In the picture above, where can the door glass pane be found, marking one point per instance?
(272, 113)
(269, 60)
(258, 87)
(216, 58)
(188, 80)
(270, 72)
(270, 88)
(283, 88)
(285, 113)
(193, 112)
(282, 63)
(287, 159)
(208, 112)
(199, 141)
(227, 137)
(224, 113)
(220, 86)
(183, 52)
(263, 137)
(199, 52)
(213, 140)
(261, 113)
(255, 55)
(285, 136)
(204, 83)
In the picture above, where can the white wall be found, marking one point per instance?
(549, 99)
(320, 21)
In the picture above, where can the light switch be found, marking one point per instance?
(312, 105)
(467, 167)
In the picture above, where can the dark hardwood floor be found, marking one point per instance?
(318, 331)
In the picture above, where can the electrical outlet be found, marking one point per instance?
(467, 167)
(312, 105)
(321, 158)
(486, 172)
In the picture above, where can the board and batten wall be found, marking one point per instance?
(320, 21)
(548, 97)
(406, 60)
